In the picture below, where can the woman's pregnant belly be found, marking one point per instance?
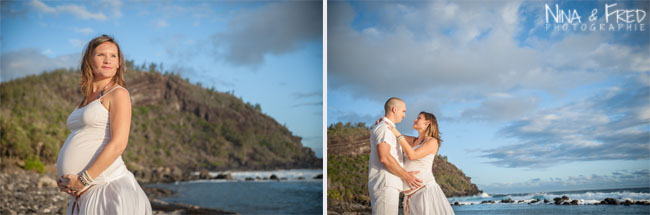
(425, 173)
(78, 152)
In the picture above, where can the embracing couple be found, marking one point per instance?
(390, 173)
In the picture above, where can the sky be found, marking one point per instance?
(522, 105)
(266, 52)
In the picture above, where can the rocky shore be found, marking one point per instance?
(336, 207)
(564, 200)
(27, 192)
(175, 174)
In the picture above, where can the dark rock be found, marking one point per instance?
(250, 179)
(627, 202)
(574, 202)
(176, 174)
(180, 208)
(508, 200)
(226, 176)
(204, 174)
(609, 201)
(546, 201)
(343, 207)
(154, 192)
(301, 178)
(641, 202)
(485, 201)
(456, 204)
(274, 177)
(561, 200)
(319, 176)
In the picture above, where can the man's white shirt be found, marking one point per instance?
(378, 174)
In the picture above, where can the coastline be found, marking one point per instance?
(296, 191)
(621, 200)
(175, 174)
(26, 192)
(29, 192)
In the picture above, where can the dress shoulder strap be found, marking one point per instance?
(118, 86)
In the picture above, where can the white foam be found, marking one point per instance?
(590, 197)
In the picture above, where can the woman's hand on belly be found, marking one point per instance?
(62, 183)
(74, 184)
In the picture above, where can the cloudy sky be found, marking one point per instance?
(522, 106)
(267, 52)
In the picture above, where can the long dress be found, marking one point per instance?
(114, 191)
(429, 199)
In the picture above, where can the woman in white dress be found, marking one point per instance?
(420, 151)
(90, 166)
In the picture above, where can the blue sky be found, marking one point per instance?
(267, 52)
(521, 108)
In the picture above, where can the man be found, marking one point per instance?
(386, 172)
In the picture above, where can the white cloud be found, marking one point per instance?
(47, 52)
(450, 49)
(275, 28)
(76, 43)
(76, 10)
(25, 62)
(160, 23)
(605, 126)
(116, 7)
(85, 31)
(501, 107)
(616, 179)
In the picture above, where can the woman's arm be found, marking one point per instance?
(428, 147)
(410, 140)
(120, 122)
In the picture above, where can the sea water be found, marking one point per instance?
(290, 195)
(586, 199)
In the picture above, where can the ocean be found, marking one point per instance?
(290, 195)
(586, 200)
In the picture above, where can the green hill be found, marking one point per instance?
(174, 123)
(348, 148)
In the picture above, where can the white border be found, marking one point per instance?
(324, 107)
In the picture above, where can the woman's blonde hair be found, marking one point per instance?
(87, 75)
(432, 129)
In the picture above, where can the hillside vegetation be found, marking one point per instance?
(174, 123)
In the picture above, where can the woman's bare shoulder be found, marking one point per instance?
(430, 140)
(119, 94)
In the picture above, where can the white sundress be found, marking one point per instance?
(114, 191)
(429, 199)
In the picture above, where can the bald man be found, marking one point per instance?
(385, 172)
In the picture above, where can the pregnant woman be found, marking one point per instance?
(421, 150)
(90, 166)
